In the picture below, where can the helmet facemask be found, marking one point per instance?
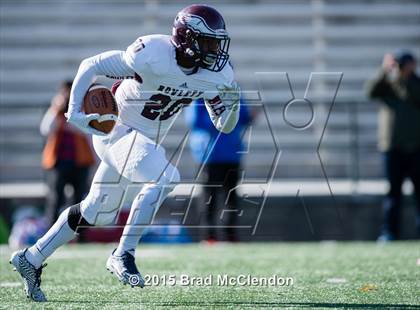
(213, 51)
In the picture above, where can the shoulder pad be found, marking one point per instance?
(149, 53)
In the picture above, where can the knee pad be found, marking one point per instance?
(75, 219)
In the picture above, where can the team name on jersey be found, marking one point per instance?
(175, 92)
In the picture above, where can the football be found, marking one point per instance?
(99, 99)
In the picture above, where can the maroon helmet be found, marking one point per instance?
(199, 33)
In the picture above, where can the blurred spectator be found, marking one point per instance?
(398, 88)
(221, 157)
(67, 155)
(28, 227)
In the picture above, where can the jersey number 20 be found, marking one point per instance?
(160, 102)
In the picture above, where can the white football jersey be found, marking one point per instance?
(151, 101)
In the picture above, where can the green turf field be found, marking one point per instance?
(325, 275)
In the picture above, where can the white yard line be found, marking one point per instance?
(10, 284)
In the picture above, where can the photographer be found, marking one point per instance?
(397, 87)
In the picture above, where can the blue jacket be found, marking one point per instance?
(205, 142)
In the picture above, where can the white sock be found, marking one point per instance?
(142, 211)
(59, 234)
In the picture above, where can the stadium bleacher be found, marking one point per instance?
(43, 42)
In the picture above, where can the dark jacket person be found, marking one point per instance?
(397, 87)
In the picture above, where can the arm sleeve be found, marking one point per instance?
(224, 117)
(111, 64)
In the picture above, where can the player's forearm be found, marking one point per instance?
(110, 64)
(224, 109)
(224, 117)
(228, 119)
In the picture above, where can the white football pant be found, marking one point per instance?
(128, 158)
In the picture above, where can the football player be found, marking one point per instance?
(160, 74)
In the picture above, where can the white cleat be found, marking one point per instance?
(124, 267)
(30, 275)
